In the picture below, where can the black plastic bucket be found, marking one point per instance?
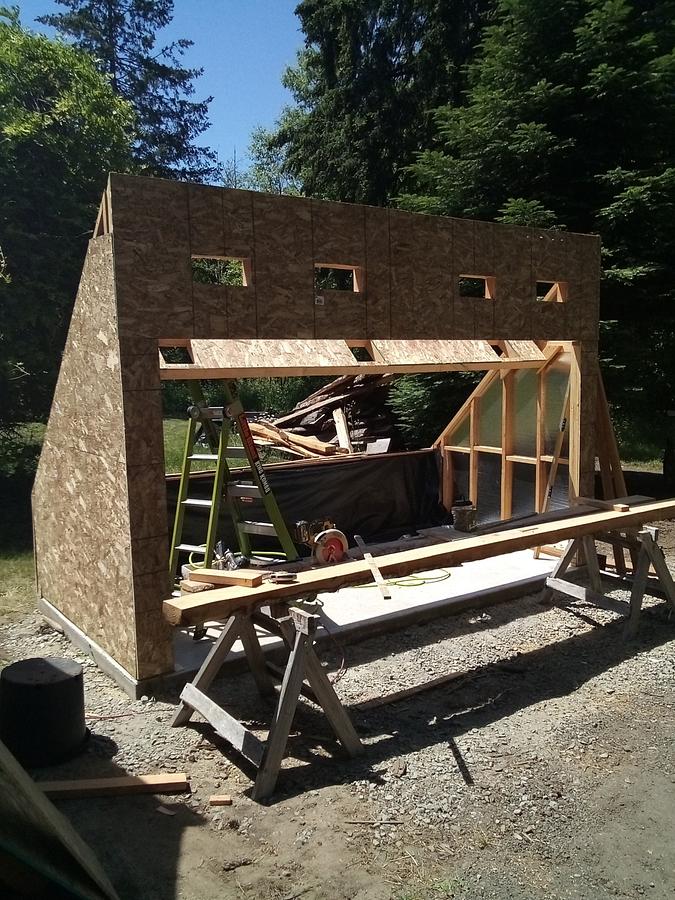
(42, 710)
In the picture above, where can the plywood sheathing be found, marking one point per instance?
(80, 499)
(107, 511)
(263, 358)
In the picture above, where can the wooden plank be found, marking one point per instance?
(507, 445)
(43, 843)
(603, 504)
(283, 718)
(342, 429)
(213, 604)
(579, 592)
(385, 590)
(220, 800)
(229, 728)
(246, 577)
(173, 783)
(191, 371)
(404, 693)
(211, 665)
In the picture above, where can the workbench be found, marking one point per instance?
(277, 609)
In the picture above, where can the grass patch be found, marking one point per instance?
(175, 432)
(17, 583)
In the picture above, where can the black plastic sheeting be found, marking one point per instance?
(380, 498)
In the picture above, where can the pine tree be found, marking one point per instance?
(570, 121)
(121, 35)
(364, 87)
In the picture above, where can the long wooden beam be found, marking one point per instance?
(190, 371)
(197, 608)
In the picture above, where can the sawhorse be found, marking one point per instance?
(645, 552)
(297, 631)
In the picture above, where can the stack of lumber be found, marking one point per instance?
(207, 579)
(363, 397)
(307, 447)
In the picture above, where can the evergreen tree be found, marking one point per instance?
(121, 35)
(364, 86)
(62, 128)
(570, 121)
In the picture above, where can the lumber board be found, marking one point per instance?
(173, 783)
(243, 740)
(194, 609)
(245, 577)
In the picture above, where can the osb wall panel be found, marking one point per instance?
(80, 501)
(410, 266)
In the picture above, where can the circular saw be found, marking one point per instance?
(329, 546)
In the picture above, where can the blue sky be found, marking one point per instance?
(243, 47)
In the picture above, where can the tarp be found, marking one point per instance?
(380, 498)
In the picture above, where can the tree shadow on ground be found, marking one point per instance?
(482, 697)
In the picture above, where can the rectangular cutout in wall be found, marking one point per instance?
(483, 287)
(177, 354)
(233, 271)
(551, 291)
(337, 277)
(362, 351)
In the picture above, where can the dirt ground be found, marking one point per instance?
(547, 771)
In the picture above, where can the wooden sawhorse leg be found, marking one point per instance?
(647, 554)
(298, 630)
(650, 555)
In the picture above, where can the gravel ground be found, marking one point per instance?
(548, 770)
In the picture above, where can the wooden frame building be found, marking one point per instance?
(426, 293)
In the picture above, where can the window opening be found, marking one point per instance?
(221, 270)
(176, 354)
(551, 291)
(336, 278)
(362, 352)
(480, 286)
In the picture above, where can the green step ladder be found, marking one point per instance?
(216, 425)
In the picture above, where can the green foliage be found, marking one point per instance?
(217, 271)
(121, 36)
(364, 86)
(570, 122)
(273, 396)
(424, 404)
(518, 211)
(267, 171)
(62, 128)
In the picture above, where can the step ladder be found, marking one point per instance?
(216, 425)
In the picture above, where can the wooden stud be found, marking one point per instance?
(209, 668)
(174, 783)
(342, 429)
(196, 608)
(473, 442)
(275, 747)
(507, 445)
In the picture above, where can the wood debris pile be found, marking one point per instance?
(362, 397)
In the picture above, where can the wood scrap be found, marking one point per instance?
(244, 577)
(603, 504)
(195, 587)
(342, 429)
(382, 585)
(220, 800)
(404, 693)
(305, 446)
(174, 783)
(370, 417)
